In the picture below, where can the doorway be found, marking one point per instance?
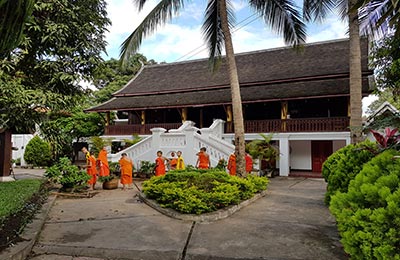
(320, 151)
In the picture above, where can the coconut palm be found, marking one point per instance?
(281, 15)
(13, 15)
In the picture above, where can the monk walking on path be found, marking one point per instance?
(102, 160)
(90, 168)
(160, 164)
(126, 170)
(232, 165)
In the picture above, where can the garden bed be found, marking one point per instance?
(194, 192)
(19, 201)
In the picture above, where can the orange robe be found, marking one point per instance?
(91, 169)
(173, 163)
(249, 163)
(160, 166)
(232, 165)
(103, 164)
(204, 161)
(126, 170)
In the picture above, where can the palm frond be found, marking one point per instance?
(160, 14)
(343, 8)
(212, 30)
(317, 10)
(284, 17)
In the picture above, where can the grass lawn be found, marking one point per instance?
(19, 200)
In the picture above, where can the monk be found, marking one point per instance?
(126, 166)
(249, 163)
(172, 161)
(160, 164)
(232, 165)
(102, 160)
(180, 163)
(90, 168)
(203, 159)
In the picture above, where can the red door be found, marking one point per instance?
(320, 151)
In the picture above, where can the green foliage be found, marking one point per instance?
(66, 174)
(13, 195)
(343, 165)
(129, 142)
(263, 149)
(201, 191)
(114, 167)
(221, 164)
(147, 167)
(107, 178)
(97, 144)
(37, 152)
(368, 214)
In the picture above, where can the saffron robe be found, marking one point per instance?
(232, 165)
(249, 163)
(173, 163)
(103, 163)
(126, 170)
(180, 164)
(91, 168)
(160, 166)
(204, 160)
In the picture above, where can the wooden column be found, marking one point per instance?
(284, 115)
(229, 117)
(142, 122)
(184, 114)
(108, 118)
(5, 153)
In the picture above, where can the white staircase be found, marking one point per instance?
(188, 139)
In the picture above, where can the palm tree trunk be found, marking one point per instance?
(355, 76)
(235, 91)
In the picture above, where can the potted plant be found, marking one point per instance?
(267, 154)
(68, 175)
(110, 182)
(146, 169)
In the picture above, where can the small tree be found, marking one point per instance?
(37, 152)
(264, 151)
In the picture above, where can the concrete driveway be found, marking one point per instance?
(291, 222)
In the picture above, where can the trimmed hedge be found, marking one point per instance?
(37, 152)
(368, 215)
(343, 165)
(200, 192)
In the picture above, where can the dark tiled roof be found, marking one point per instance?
(319, 69)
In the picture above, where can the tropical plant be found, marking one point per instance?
(37, 152)
(107, 178)
(264, 151)
(97, 143)
(282, 16)
(147, 167)
(114, 168)
(368, 214)
(67, 174)
(389, 140)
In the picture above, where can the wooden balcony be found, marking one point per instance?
(137, 129)
(332, 124)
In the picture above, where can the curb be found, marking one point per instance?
(30, 234)
(206, 217)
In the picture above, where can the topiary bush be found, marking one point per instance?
(37, 152)
(343, 165)
(201, 191)
(368, 214)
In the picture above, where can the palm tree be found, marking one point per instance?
(281, 15)
(13, 15)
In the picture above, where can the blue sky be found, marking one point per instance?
(182, 36)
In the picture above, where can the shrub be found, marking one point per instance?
(37, 152)
(368, 215)
(66, 174)
(201, 191)
(343, 165)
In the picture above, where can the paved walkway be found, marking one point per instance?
(291, 222)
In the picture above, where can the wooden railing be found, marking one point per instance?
(137, 129)
(332, 124)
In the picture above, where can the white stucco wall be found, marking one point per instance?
(337, 144)
(300, 156)
(20, 141)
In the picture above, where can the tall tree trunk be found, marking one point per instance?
(355, 76)
(235, 91)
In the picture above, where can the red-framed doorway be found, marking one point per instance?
(320, 151)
